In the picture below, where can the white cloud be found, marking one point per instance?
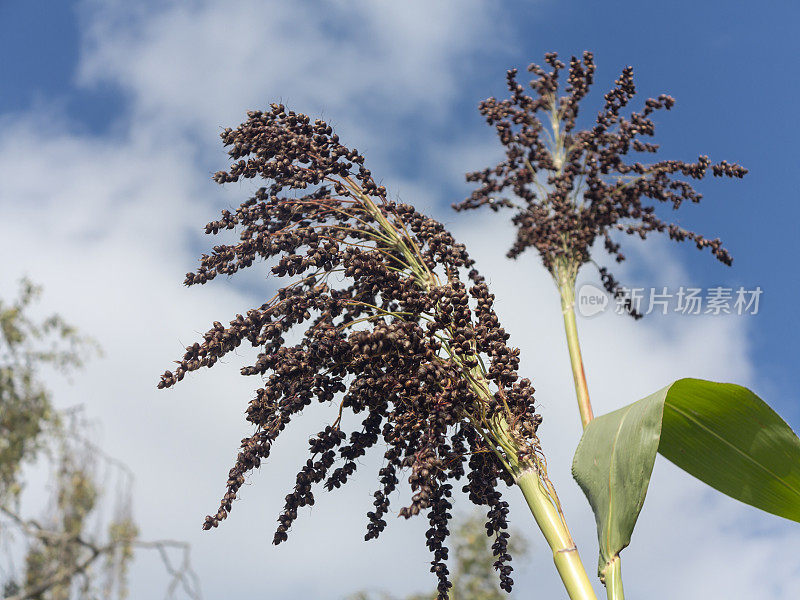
(201, 65)
(109, 226)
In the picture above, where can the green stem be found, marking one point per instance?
(566, 286)
(613, 579)
(551, 522)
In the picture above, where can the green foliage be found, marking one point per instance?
(65, 556)
(122, 533)
(612, 464)
(60, 551)
(722, 434)
(728, 437)
(27, 346)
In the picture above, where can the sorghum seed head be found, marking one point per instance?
(575, 186)
(396, 326)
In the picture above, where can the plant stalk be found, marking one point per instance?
(613, 579)
(566, 286)
(550, 521)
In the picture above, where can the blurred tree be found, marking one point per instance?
(473, 574)
(25, 408)
(65, 554)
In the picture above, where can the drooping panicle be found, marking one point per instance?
(396, 327)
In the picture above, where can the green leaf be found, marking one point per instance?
(721, 433)
(613, 463)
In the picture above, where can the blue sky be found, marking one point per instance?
(730, 66)
(137, 96)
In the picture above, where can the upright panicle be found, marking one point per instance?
(570, 187)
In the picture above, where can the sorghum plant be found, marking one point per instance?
(570, 187)
(396, 325)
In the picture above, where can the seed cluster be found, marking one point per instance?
(397, 327)
(575, 185)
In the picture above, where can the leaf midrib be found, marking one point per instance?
(725, 441)
(611, 470)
